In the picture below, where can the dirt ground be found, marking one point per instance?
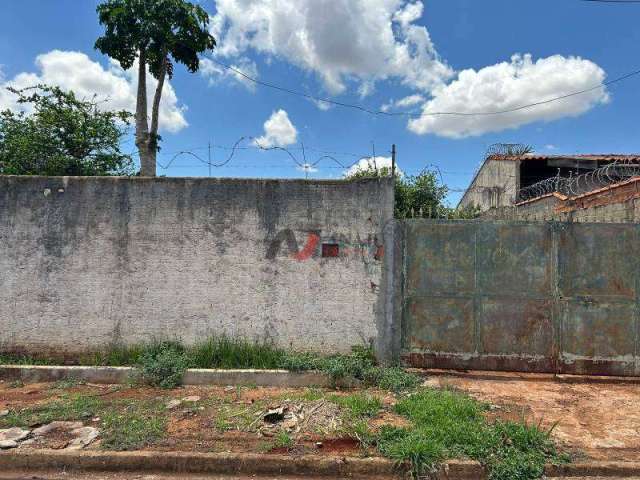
(595, 421)
(598, 421)
(223, 419)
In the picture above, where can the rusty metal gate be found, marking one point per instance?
(535, 297)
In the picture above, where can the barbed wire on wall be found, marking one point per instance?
(574, 185)
(300, 159)
(507, 149)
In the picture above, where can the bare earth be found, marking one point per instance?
(594, 420)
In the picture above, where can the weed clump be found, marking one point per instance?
(134, 426)
(164, 366)
(359, 404)
(395, 379)
(448, 424)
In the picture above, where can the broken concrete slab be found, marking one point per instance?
(7, 444)
(14, 434)
(191, 399)
(84, 436)
(171, 404)
(57, 425)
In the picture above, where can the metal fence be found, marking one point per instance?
(539, 297)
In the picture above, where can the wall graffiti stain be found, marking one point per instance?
(365, 250)
(313, 239)
(274, 246)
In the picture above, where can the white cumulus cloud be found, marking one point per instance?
(339, 40)
(75, 71)
(405, 102)
(509, 85)
(278, 131)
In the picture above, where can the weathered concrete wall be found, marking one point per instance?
(549, 208)
(87, 262)
(495, 185)
(545, 297)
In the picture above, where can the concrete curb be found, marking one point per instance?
(113, 375)
(524, 376)
(259, 464)
(196, 463)
(595, 469)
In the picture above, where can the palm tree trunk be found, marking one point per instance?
(155, 112)
(147, 157)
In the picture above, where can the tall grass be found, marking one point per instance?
(449, 424)
(227, 352)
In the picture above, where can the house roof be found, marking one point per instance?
(603, 157)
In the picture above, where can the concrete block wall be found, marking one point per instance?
(495, 185)
(550, 208)
(91, 261)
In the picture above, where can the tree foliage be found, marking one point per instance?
(421, 195)
(59, 134)
(159, 33)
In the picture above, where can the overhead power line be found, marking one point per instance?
(423, 114)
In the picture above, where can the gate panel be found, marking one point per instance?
(598, 293)
(537, 297)
(477, 295)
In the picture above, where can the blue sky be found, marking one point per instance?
(354, 51)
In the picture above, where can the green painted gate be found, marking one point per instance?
(534, 297)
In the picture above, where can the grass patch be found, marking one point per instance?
(448, 424)
(226, 352)
(359, 404)
(133, 425)
(126, 425)
(11, 359)
(394, 379)
(66, 408)
(283, 440)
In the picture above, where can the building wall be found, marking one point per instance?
(495, 185)
(551, 209)
(87, 262)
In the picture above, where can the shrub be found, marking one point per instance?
(163, 368)
(394, 379)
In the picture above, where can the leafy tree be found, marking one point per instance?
(418, 196)
(60, 134)
(159, 33)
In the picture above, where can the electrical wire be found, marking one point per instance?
(423, 114)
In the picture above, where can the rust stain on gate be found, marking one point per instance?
(532, 297)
